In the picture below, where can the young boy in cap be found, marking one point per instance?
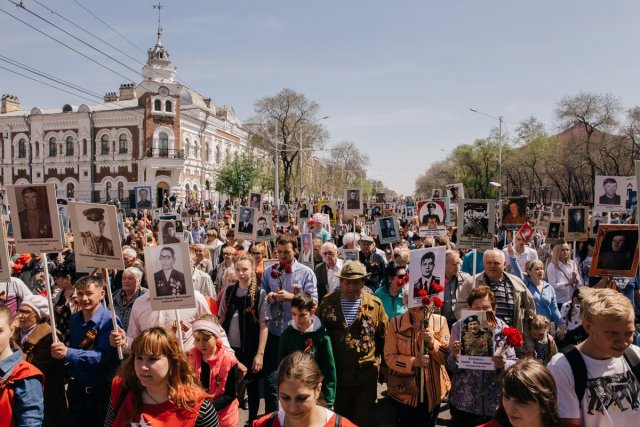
(598, 379)
(91, 361)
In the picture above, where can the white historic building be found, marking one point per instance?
(159, 133)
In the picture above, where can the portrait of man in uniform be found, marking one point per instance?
(93, 240)
(427, 279)
(431, 218)
(387, 230)
(168, 280)
(169, 233)
(476, 222)
(353, 199)
(142, 198)
(35, 220)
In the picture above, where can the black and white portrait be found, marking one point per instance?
(264, 231)
(96, 235)
(353, 200)
(432, 213)
(169, 273)
(388, 230)
(34, 217)
(143, 197)
(169, 233)
(476, 223)
(455, 192)
(426, 267)
(436, 193)
(554, 230)
(303, 213)
(543, 220)
(557, 210)
(255, 200)
(245, 218)
(283, 215)
(576, 223)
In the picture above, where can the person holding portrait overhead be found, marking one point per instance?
(169, 281)
(427, 263)
(94, 240)
(610, 186)
(35, 222)
(169, 234)
(143, 199)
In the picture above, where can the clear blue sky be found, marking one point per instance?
(396, 78)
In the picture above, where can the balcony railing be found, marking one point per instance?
(165, 153)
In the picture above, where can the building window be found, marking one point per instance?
(69, 146)
(121, 190)
(53, 147)
(168, 106)
(108, 195)
(157, 105)
(71, 190)
(22, 148)
(196, 152)
(122, 144)
(186, 149)
(218, 154)
(84, 147)
(104, 145)
(163, 144)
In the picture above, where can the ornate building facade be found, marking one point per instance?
(159, 133)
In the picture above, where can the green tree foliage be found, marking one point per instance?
(239, 176)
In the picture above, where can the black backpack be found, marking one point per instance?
(579, 368)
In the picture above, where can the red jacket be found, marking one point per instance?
(21, 371)
(272, 420)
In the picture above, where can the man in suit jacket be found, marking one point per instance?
(427, 262)
(168, 280)
(35, 222)
(245, 225)
(326, 271)
(263, 227)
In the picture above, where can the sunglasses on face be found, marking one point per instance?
(400, 276)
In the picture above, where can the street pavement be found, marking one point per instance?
(385, 412)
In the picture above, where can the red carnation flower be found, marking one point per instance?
(422, 293)
(287, 268)
(437, 288)
(406, 278)
(437, 302)
(513, 337)
(426, 300)
(275, 274)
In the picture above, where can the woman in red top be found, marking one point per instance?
(529, 397)
(299, 384)
(157, 386)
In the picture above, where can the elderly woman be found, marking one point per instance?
(408, 365)
(33, 337)
(124, 298)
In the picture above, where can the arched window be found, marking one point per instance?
(218, 154)
(121, 190)
(22, 148)
(84, 147)
(196, 152)
(122, 144)
(168, 106)
(108, 191)
(163, 144)
(53, 147)
(71, 190)
(104, 145)
(69, 146)
(187, 149)
(157, 105)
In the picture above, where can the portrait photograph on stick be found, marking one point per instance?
(542, 222)
(306, 249)
(455, 192)
(95, 235)
(514, 212)
(557, 210)
(616, 252)
(432, 212)
(353, 201)
(255, 201)
(426, 270)
(245, 223)
(609, 193)
(34, 217)
(168, 273)
(475, 223)
(143, 197)
(476, 341)
(387, 230)
(168, 232)
(555, 232)
(5, 270)
(264, 228)
(576, 224)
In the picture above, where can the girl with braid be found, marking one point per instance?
(244, 314)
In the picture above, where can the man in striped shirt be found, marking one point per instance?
(357, 324)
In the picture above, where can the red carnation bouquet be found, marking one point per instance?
(511, 337)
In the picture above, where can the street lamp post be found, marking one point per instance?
(499, 119)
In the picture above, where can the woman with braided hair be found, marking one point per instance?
(244, 314)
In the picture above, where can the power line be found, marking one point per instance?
(108, 26)
(20, 5)
(64, 44)
(88, 32)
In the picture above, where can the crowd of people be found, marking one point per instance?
(319, 337)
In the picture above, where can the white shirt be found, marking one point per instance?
(202, 283)
(143, 317)
(332, 281)
(529, 254)
(559, 277)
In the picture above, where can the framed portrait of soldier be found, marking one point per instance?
(168, 233)
(436, 193)
(514, 212)
(576, 224)
(255, 201)
(596, 219)
(303, 214)
(432, 213)
(376, 210)
(306, 249)
(542, 221)
(34, 218)
(143, 197)
(96, 236)
(609, 193)
(264, 228)
(387, 230)
(351, 254)
(455, 192)
(381, 197)
(555, 233)
(557, 210)
(245, 223)
(616, 252)
(476, 223)
(5, 270)
(477, 343)
(168, 274)
(426, 269)
(328, 207)
(353, 201)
